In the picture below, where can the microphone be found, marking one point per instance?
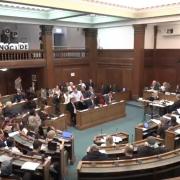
(132, 137)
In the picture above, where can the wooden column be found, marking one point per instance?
(138, 63)
(91, 46)
(48, 71)
(155, 36)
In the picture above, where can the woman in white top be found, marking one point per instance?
(67, 97)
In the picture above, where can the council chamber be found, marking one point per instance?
(89, 90)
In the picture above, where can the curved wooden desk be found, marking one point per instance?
(100, 139)
(153, 167)
(59, 122)
(91, 117)
(26, 144)
(116, 151)
(18, 160)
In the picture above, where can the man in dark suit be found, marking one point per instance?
(176, 104)
(91, 102)
(94, 155)
(72, 110)
(149, 148)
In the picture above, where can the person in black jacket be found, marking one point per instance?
(72, 110)
(94, 155)
(150, 148)
(176, 104)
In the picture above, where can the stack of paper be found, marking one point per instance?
(117, 139)
(102, 151)
(156, 121)
(30, 166)
(177, 131)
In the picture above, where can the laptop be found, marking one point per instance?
(66, 134)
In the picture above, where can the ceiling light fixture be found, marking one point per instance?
(3, 69)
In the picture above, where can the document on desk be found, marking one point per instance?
(54, 118)
(83, 110)
(30, 166)
(156, 121)
(5, 158)
(102, 151)
(178, 110)
(61, 115)
(12, 134)
(177, 131)
(117, 139)
(167, 117)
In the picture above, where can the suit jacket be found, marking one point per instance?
(95, 156)
(70, 108)
(143, 151)
(174, 106)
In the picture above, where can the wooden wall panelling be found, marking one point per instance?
(7, 79)
(162, 65)
(63, 73)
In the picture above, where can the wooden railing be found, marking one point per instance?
(70, 53)
(21, 55)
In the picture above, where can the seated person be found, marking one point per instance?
(18, 97)
(77, 95)
(105, 89)
(94, 155)
(86, 94)
(30, 104)
(36, 148)
(154, 96)
(42, 113)
(100, 100)
(177, 89)
(165, 87)
(175, 105)
(8, 110)
(155, 85)
(128, 153)
(50, 135)
(172, 122)
(162, 128)
(109, 141)
(108, 98)
(91, 103)
(149, 148)
(34, 121)
(11, 146)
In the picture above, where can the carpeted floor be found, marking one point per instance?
(84, 138)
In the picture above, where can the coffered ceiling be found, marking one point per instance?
(89, 13)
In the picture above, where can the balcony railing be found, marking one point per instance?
(21, 55)
(70, 53)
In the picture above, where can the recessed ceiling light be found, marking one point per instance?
(3, 69)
